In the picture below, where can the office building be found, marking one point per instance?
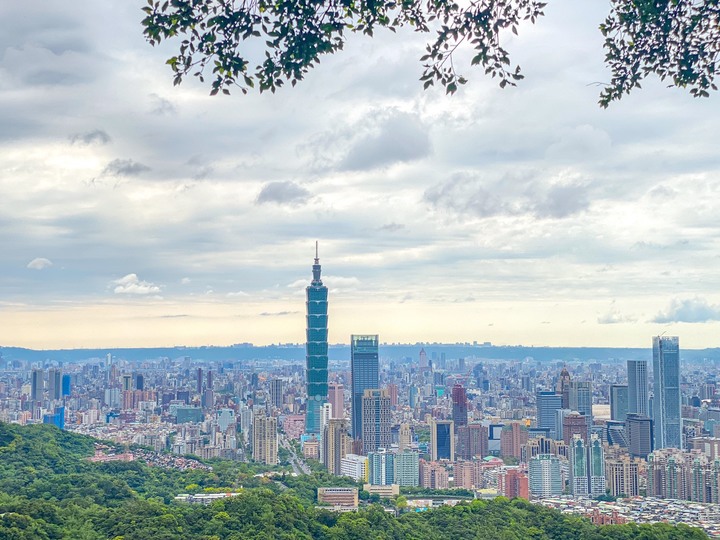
(544, 476)
(460, 406)
(560, 415)
(337, 443)
(364, 368)
(666, 392)
(442, 440)
(316, 348)
(355, 466)
(639, 432)
(265, 440)
(37, 385)
(338, 496)
(54, 383)
(618, 402)
(66, 385)
(637, 387)
(581, 397)
(563, 388)
(336, 397)
(376, 417)
(547, 405)
(276, 393)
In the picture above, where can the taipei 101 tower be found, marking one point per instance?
(316, 349)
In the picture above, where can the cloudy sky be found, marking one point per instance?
(135, 213)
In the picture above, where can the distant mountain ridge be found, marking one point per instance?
(342, 353)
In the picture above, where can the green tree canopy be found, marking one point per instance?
(264, 44)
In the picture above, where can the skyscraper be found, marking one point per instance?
(337, 400)
(337, 443)
(442, 440)
(276, 393)
(637, 387)
(639, 431)
(316, 348)
(265, 440)
(54, 383)
(578, 467)
(618, 402)
(37, 385)
(596, 466)
(460, 405)
(376, 419)
(580, 398)
(365, 375)
(666, 398)
(547, 404)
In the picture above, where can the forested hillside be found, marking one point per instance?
(48, 490)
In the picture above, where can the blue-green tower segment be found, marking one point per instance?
(316, 348)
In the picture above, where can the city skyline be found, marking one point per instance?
(142, 214)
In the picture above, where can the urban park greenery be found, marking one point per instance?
(49, 490)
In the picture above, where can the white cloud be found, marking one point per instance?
(131, 284)
(39, 263)
(690, 310)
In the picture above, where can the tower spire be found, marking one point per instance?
(317, 281)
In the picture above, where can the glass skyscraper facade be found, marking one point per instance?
(365, 374)
(316, 349)
(666, 398)
(637, 387)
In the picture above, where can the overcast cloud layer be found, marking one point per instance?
(138, 213)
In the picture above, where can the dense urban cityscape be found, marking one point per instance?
(607, 438)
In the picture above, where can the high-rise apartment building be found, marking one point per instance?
(637, 387)
(337, 443)
(596, 466)
(513, 438)
(376, 417)
(407, 468)
(265, 440)
(316, 348)
(575, 424)
(472, 441)
(618, 402)
(336, 397)
(382, 468)
(459, 406)
(578, 467)
(442, 440)
(365, 373)
(622, 477)
(666, 398)
(544, 476)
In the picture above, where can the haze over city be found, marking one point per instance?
(136, 213)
